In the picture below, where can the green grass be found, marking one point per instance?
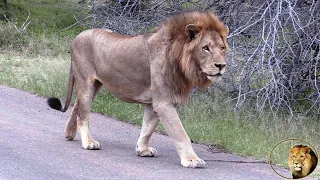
(210, 122)
(45, 16)
(40, 27)
(45, 76)
(14, 38)
(36, 59)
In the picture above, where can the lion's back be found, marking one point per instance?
(85, 39)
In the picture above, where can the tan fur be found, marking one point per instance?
(158, 69)
(302, 161)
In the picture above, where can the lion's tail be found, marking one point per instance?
(55, 103)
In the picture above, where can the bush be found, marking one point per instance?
(12, 36)
(15, 37)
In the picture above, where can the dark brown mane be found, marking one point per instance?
(182, 73)
(206, 20)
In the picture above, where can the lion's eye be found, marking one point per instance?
(223, 48)
(206, 48)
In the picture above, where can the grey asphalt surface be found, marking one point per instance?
(32, 146)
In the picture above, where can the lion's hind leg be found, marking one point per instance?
(71, 126)
(85, 95)
(149, 124)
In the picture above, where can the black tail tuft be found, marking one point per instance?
(55, 103)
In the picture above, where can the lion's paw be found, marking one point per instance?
(94, 145)
(70, 131)
(70, 135)
(193, 163)
(149, 152)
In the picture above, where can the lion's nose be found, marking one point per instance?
(220, 66)
(296, 163)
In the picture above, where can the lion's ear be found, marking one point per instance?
(227, 29)
(308, 150)
(191, 31)
(291, 151)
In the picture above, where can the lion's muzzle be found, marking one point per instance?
(297, 167)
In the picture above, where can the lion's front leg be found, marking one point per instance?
(169, 117)
(149, 124)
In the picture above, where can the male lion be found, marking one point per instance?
(158, 69)
(302, 161)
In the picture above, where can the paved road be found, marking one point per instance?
(32, 146)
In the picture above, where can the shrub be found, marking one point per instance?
(12, 36)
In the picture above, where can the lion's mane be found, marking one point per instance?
(182, 72)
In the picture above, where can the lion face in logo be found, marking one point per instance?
(302, 161)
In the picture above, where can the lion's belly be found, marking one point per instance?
(143, 98)
(133, 95)
(132, 90)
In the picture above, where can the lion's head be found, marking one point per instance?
(302, 161)
(199, 43)
(196, 49)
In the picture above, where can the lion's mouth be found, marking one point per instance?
(297, 168)
(214, 75)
